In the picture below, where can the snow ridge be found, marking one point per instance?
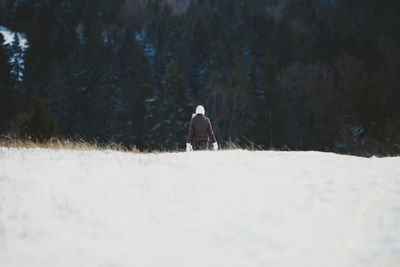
(224, 208)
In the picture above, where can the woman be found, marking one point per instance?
(200, 130)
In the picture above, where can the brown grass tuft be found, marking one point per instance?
(69, 144)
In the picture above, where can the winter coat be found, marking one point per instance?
(200, 129)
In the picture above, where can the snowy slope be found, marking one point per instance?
(225, 208)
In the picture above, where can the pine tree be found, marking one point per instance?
(266, 99)
(37, 124)
(62, 99)
(97, 112)
(229, 104)
(176, 111)
(136, 93)
(368, 98)
(200, 53)
(17, 53)
(7, 92)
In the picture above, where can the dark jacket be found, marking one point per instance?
(200, 129)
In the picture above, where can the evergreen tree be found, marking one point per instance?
(37, 124)
(17, 59)
(7, 93)
(368, 99)
(60, 99)
(135, 89)
(176, 108)
(228, 105)
(200, 52)
(267, 123)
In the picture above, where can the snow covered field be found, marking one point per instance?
(225, 208)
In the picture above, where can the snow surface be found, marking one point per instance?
(224, 208)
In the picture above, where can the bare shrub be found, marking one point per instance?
(229, 112)
(307, 97)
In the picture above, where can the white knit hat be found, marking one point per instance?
(200, 110)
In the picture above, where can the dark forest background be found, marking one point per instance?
(285, 74)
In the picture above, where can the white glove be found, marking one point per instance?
(215, 146)
(189, 147)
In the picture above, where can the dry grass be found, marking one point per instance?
(69, 144)
(85, 145)
(249, 145)
(82, 144)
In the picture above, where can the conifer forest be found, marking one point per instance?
(283, 74)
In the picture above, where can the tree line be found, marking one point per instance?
(284, 74)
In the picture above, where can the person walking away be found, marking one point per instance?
(200, 132)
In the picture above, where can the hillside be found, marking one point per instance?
(282, 74)
(225, 208)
